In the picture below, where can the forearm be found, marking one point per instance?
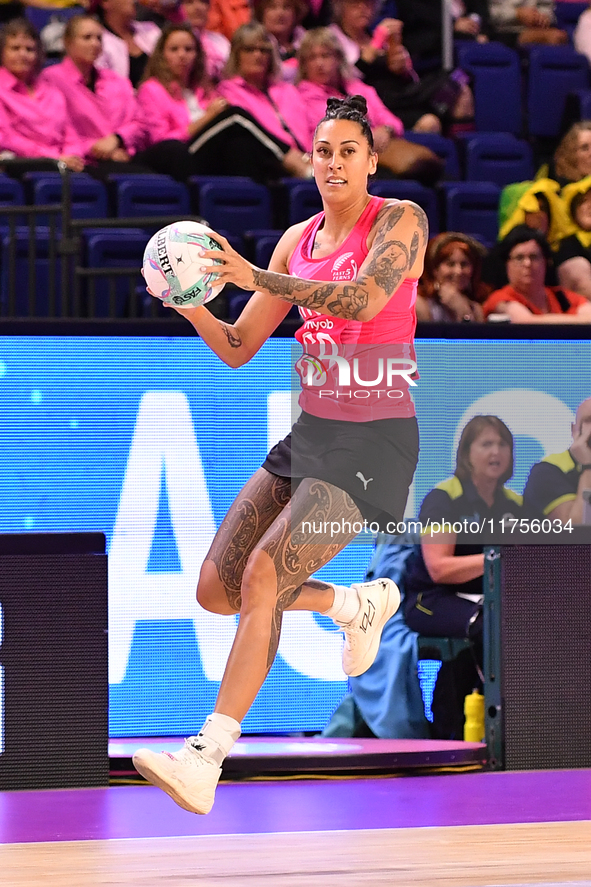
(454, 570)
(554, 319)
(575, 275)
(348, 300)
(223, 338)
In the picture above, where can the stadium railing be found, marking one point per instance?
(46, 267)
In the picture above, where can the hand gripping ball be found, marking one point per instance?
(173, 261)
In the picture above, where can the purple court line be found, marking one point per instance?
(310, 805)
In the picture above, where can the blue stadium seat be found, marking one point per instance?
(121, 296)
(236, 302)
(11, 191)
(443, 147)
(39, 280)
(149, 195)
(235, 207)
(496, 82)
(408, 189)
(89, 196)
(554, 72)
(39, 17)
(499, 158)
(260, 245)
(196, 183)
(303, 200)
(472, 208)
(567, 15)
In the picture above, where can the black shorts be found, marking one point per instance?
(372, 461)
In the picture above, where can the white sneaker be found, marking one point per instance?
(379, 601)
(187, 775)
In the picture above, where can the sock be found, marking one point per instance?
(216, 737)
(345, 605)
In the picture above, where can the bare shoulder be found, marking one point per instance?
(406, 216)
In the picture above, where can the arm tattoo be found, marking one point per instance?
(233, 338)
(389, 263)
(414, 248)
(391, 217)
(422, 222)
(309, 294)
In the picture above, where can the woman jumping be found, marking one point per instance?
(352, 270)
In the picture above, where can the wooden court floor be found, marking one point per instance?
(473, 829)
(545, 853)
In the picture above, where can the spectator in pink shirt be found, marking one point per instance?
(253, 82)
(192, 129)
(127, 43)
(281, 19)
(33, 116)
(215, 46)
(324, 73)
(101, 104)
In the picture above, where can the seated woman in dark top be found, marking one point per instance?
(573, 259)
(443, 580)
(281, 19)
(127, 43)
(424, 104)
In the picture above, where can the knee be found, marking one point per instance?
(212, 595)
(428, 123)
(259, 583)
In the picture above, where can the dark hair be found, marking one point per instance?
(353, 108)
(471, 431)
(300, 8)
(157, 66)
(14, 28)
(523, 234)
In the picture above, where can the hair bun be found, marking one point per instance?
(334, 105)
(351, 103)
(352, 108)
(357, 103)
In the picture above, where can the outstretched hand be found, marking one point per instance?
(233, 268)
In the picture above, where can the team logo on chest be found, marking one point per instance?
(344, 267)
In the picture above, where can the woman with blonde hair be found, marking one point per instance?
(101, 105)
(324, 73)
(451, 289)
(253, 82)
(572, 158)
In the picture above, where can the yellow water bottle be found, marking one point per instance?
(474, 712)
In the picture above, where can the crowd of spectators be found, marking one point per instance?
(209, 87)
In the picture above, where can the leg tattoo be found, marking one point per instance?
(259, 503)
(314, 501)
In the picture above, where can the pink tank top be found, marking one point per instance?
(322, 336)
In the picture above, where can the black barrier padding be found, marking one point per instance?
(546, 656)
(54, 660)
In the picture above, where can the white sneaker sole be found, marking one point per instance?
(392, 602)
(147, 764)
